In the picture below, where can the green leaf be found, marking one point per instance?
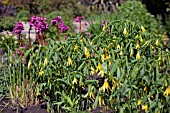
(80, 67)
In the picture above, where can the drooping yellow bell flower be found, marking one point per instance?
(92, 71)
(69, 62)
(87, 52)
(101, 73)
(41, 72)
(139, 102)
(74, 81)
(45, 61)
(125, 31)
(29, 64)
(131, 52)
(99, 67)
(92, 95)
(157, 42)
(145, 107)
(100, 100)
(141, 40)
(76, 48)
(143, 29)
(102, 57)
(105, 86)
(145, 88)
(167, 91)
(138, 56)
(121, 53)
(118, 46)
(137, 46)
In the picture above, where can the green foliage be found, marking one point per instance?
(114, 69)
(7, 23)
(133, 11)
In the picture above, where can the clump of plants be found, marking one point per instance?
(123, 67)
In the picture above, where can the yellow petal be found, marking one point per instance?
(76, 48)
(74, 80)
(145, 88)
(29, 64)
(157, 42)
(124, 31)
(167, 91)
(69, 62)
(99, 67)
(143, 29)
(121, 53)
(131, 52)
(145, 107)
(87, 52)
(118, 46)
(137, 46)
(139, 102)
(45, 61)
(41, 72)
(138, 56)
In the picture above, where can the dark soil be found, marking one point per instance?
(6, 107)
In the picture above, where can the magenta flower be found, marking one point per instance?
(18, 29)
(63, 27)
(88, 34)
(39, 23)
(79, 18)
(56, 20)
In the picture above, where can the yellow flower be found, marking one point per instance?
(76, 48)
(145, 88)
(41, 72)
(87, 53)
(100, 101)
(105, 86)
(166, 83)
(99, 67)
(167, 91)
(145, 107)
(157, 42)
(91, 42)
(138, 56)
(141, 40)
(45, 61)
(29, 64)
(102, 57)
(69, 62)
(104, 49)
(110, 62)
(85, 96)
(92, 71)
(107, 56)
(143, 29)
(74, 81)
(124, 31)
(131, 52)
(121, 53)
(139, 102)
(101, 73)
(115, 84)
(118, 46)
(92, 95)
(81, 40)
(137, 46)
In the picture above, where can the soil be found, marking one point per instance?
(5, 107)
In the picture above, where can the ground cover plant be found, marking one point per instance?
(124, 66)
